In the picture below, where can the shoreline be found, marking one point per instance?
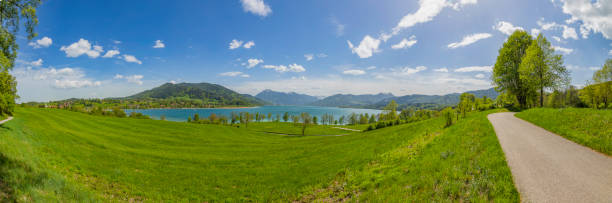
(239, 107)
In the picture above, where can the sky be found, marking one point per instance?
(115, 48)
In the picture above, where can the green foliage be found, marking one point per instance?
(599, 94)
(8, 93)
(117, 112)
(588, 127)
(506, 75)
(448, 113)
(390, 110)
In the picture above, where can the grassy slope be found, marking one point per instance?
(122, 159)
(461, 163)
(295, 129)
(589, 127)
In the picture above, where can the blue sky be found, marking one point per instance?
(93, 49)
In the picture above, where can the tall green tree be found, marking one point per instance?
(542, 69)
(13, 14)
(391, 110)
(603, 79)
(506, 70)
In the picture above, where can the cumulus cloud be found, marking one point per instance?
(131, 59)
(479, 75)
(506, 27)
(353, 72)
(110, 53)
(234, 74)
(405, 43)
(249, 44)
(63, 78)
(444, 70)
(253, 62)
(257, 7)
(37, 63)
(282, 68)
(408, 71)
(40, 43)
(474, 69)
(235, 44)
(428, 9)
(569, 32)
(470, 39)
(82, 47)
(563, 50)
(596, 16)
(136, 79)
(366, 48)
(159, 44)
(309, 57)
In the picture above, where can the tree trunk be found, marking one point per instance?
(542, 97)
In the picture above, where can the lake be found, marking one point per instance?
(182, 114)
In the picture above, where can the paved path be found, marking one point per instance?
(549, 168)
(341, 128)
(6, 120)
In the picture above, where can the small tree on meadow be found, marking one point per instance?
(306, 120)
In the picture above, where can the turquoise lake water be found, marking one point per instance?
(182, 114)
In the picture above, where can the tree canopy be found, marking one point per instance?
(505, 72)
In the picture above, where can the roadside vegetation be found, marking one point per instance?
(588, 127)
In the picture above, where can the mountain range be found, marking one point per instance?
(208, 93)
(282, 98)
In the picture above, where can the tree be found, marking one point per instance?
(341, 120)
(448, 113)
(315, 120)
(391, 110)
(12, 15)
(117, 112)
(466, 103)
(506, 70)
(603, 79)
(306, 120)
(540, 68)
(196, 117)
(286, 117)
(372, 119)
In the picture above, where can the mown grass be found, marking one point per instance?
(462, 163)
(66, 156)
(294, 129)
(588, 127)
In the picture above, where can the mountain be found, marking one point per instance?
(282, 98)
(432, 101)
(208, 93)
(349, 100)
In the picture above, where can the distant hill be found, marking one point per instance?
(283, 98)
(208, 93)
(431, 101)
(379, 101)
(349, 100)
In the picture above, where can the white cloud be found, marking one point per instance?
(563, 50)
(353, 72)
(339, 26)
(253, 62)
(131, 59)
(479, 75)
(159, 44)
(43, 42)
(596, 16)
(428, 9)
(257, 7)
(535, 32)
(371, 68)
(37, 63)
(309, 57)
(366, 48)
(321, 55)
(116, 41)
(282, 68)
(82, 47)
(136, 79)
(610, 53)
(63, 78)
(569, 32)
(470, 39)
(558, 39)
(110, 53)
(506, 27)
(445, 70)
(234, 74)
(408, 71)
(249, 44)
(474, 69)
(405, 43)
(235, 44)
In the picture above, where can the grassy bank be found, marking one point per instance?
(588, 127)
(294, 129)
(63, 155)
(461, 163)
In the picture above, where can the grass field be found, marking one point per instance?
(588, 127)
(56, 155)
(294, 129)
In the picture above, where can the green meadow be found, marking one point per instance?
(588, 127)
(58, 155)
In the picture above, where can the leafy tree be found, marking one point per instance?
(213, 118)
(162, 117)
(391, 110)
(306, 120)
(196, 117)
(286, 116)
(119, 113)
(372, 119)
(603, 77)
(189, 119)
(506, 70)
(13, 13)
(541, 68)
(466, 103)
(315, 120)
(341, 120)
